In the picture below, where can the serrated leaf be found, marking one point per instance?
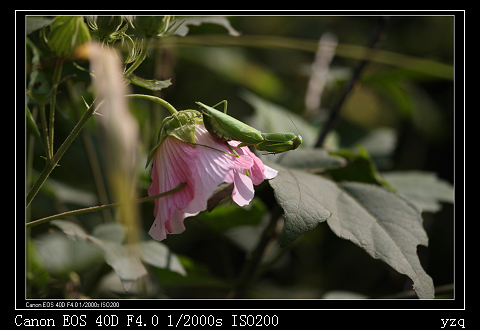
(385, 224)
(388, 226)
(151, 84)
(424, 189)
(301, 195)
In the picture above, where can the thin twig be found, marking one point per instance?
(377, 35)
(249, 268)
(103, 207)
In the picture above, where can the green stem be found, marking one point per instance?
(45, 129)
(103, 207)
(154, 99)
(140, 58)
(56, 78)
(50, 165)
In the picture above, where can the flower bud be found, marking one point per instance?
(152, 26)
(108, 24)
(66, 34)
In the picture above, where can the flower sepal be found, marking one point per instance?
(180, 125)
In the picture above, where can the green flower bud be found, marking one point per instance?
(154, 26)
(66, 34)
(108, 24)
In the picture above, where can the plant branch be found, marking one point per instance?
(103, 207)
(56, 78)
(154, 99)
(377, 35)
(50, 165)
(249, 268)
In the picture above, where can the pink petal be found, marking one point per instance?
(211, 171)
(258, 172)
(174, 163)
(203, 168)
(243, 191)
(269, 172)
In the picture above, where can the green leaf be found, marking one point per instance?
(153, 85)
(311, 159)
(32, 127)
(388, 226)
(228, 216)
(159, 255)
(198, 20)
(385, 224)
(424, 189)
(37, 274)
(125, 260)
(360, 168)
(301, 195)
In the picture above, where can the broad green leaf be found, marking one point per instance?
(385, 224)
(302, 197)
(125, 260)
(310, 159)
(424, 189)
(112, 232)
(159, 255)
(62, 255)
(72, 230)
(360, 168)
(224, 217)
(151, 84)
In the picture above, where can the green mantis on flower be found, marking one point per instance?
(181, 125)
(226, 128)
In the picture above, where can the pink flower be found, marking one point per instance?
(203, 169)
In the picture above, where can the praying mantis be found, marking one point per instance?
(226, 128)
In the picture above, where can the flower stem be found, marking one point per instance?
(103, 207)
(154, 99)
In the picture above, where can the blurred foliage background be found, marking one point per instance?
(411, 110)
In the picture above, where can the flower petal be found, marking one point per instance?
(212, 168)
(269, 172)
(243, 191)
(203, 168)
(174, 163)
